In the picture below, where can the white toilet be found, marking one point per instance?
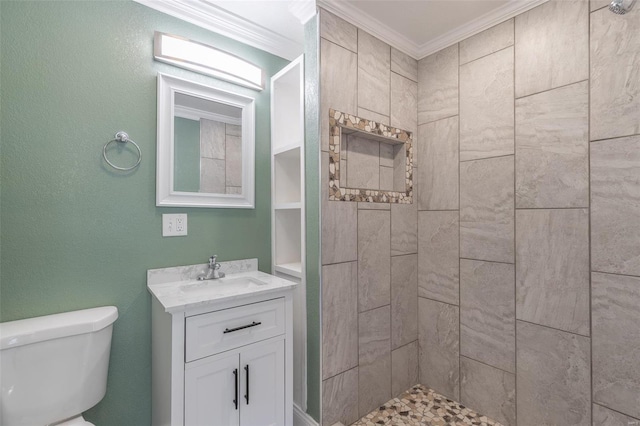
(52, 368)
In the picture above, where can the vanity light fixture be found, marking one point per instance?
(205, 59)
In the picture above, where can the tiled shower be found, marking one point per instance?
(512, 282)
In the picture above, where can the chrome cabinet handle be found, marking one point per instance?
(231, 330)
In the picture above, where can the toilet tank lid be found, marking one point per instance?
(33, 330)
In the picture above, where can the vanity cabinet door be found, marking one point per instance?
(262, 384)
(212, 391)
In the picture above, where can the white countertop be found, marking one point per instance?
(177, 296)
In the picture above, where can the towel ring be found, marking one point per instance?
(121, 137)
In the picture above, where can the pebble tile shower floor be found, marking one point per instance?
(423, 406)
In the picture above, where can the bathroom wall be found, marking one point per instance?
(528, 223)
(74, 232)
(369, 250)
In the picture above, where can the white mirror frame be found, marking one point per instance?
(165, 194)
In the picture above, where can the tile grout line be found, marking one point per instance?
(552, 328)
(488, 365)
(488, 54)
(551, 89)
(589, 213)
(515, 246)
(614, 273)
(459, 244)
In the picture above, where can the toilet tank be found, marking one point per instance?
(54, 367)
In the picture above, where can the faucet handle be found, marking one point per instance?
(212, 261)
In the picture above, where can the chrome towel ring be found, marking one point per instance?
(121, 137)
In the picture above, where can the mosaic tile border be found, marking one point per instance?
(338, 120)
(423, 406)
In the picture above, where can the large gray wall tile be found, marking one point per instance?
(339, 88)
(404, 368)
(374, 68)
(339, 223)
(438, 85)
(615, 81)
(374, 259)
(598, 4)
(404, 103)
(338, 30)
(552, 46)
(486, 209)
(374, 334)
(374, 366)
(552, 268)
(340, 398)
(552, 148)
(339, 318)
(603, 416)
(404, 229)
(486, 106)
(616, 342)
(553, 377)
(374, 384)
(404, 64)
(404, 300)
(438, 255)
(438, 331)
(488, 41)
(374, 116)
(437, 152)
(487, 313)
(615, 206)
(488, 390)
(339, 232)
(363, 162)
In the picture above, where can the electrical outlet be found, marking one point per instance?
(174, 225)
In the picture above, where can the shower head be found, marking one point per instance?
(620, 7)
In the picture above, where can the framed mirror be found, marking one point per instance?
(205, 146)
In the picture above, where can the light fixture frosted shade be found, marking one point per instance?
(208, 60)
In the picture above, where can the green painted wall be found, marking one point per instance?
(75, 233)
(186, 155)
(312, 195)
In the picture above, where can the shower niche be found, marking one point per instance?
(369, 161)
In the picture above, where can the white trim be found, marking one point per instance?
(300, 418)
(382, 31)
(198, 114)
(484, 22)
(165, 194)
(218, 20)
(304, 10)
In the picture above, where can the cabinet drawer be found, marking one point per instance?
(215, 332)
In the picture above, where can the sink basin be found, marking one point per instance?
(221, 285)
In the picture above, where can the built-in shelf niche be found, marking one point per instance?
(286, 169)
(288, 207)
(369, 161)
(287, 122)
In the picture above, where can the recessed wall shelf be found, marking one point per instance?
(369, 161)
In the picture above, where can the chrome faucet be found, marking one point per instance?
(213, 273)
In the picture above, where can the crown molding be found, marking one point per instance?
(483, 22)
(304, 10)
(218, 20)
(379, 29)
(382, 31)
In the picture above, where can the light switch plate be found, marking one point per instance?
(174, 225)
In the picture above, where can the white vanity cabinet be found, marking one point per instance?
(223, 362)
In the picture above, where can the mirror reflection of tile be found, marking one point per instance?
(220, 157)
(369, 161)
